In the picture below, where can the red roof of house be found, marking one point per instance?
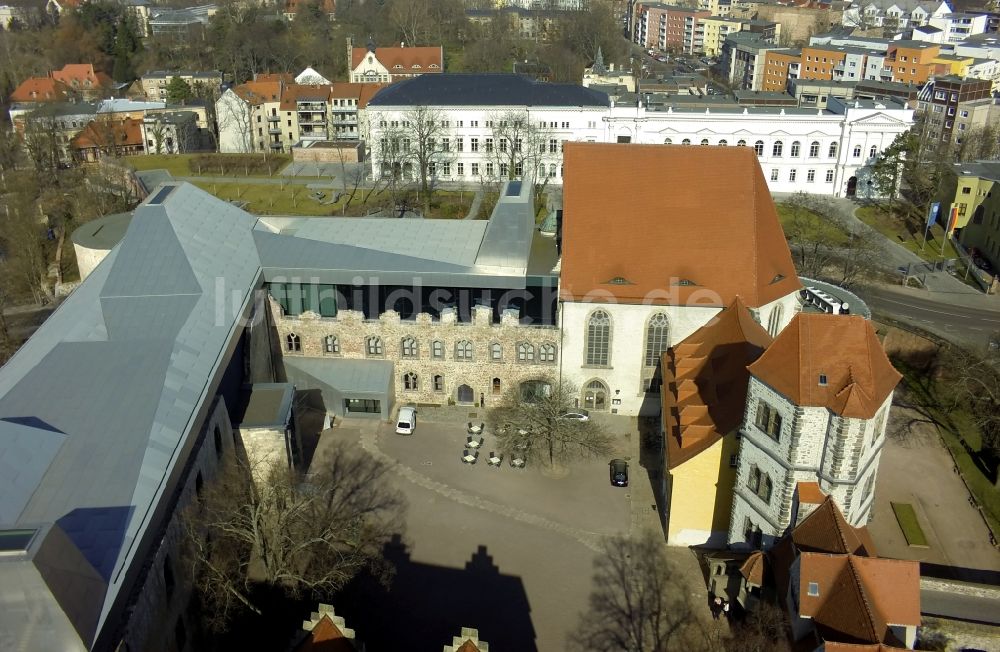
(259, 92)
(294, 6)
(404, 59)
(39, 89)
(809, 492)
(108, 133)
(81, 76)
(752, 569)
(831, 361)
(705, 381)
(326, 637)
(669, 224)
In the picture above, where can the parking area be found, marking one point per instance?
(435, 450)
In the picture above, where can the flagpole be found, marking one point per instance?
(947, 227)
(932, 212)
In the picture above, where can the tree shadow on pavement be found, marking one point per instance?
(425, 606)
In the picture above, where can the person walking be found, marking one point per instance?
(725, 609)
(716, 607)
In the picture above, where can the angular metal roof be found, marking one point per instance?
(95, 407)
(485, 89)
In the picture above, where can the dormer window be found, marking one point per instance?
(434, 65)
(416, 66)
(822, 380)
(619, 280)
(813, 589)
(777, 278)
(684, 282)
(398, 66)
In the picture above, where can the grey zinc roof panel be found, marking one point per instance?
(485, 89)
(507, 242)
(25, 454)
(447, 241)
(355, 376)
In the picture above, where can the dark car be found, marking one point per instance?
(619, 473)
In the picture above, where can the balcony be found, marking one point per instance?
(275, 145)
(311, 122)
(274, 130)
(312, 106)
(273, 118)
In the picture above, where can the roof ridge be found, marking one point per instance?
(859, 586)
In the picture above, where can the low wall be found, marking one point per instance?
(329, 152)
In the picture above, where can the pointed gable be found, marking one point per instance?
(705, 381)
(826, 530)
(686, 225)
(831, 361)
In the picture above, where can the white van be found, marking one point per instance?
(407, 421)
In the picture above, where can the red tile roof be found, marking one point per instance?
(40, 89)
(857, 598)
(705, 381)
(259, 92)
(842, 348)
(109, 133)
(410, 60)
(82, 76)
(752, 569)
(468, 646)
(671, 225)
(826, 530)
(809, 492)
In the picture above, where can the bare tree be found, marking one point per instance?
(26, 267)
(975, 386)
(42, 143)
(639, 600)
(530, 418)
(235, 116)
(518, 143)
(291, 533)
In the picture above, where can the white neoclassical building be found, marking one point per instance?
(826, 151)
(816, 411)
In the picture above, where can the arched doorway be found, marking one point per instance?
(852, 187)
(595, 395)
(464, 394)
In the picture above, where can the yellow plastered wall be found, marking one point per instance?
(969, 194)
(701, 496)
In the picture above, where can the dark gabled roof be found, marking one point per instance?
(498, 89)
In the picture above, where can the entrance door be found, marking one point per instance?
(852, 187)
(595, 396)
(465, 394)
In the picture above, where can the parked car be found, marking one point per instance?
(619, 472)
(406, 422)
(576, 415)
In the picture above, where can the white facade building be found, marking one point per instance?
(817, 151)
(958, 27)
(817, 406)
(897, 14)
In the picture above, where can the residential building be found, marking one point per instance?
(607, 76)
(836, 589)
(824, 152)
(894, 14)
(171, 132)
(798, 21)
(955, 108)
(383, 65)
(911, 62)
(105, 136)
(743, 57)
(716, 29)
(779, 67)
(816, 93)
(957, 27)
(292, 8)
(203, 83)
(291, 114)
(978, 223)
(817, 407)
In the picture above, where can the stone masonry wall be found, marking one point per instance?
(351, 331)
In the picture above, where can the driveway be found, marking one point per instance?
(920, 471)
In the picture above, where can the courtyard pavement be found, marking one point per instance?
(509, 551)
(920, 471)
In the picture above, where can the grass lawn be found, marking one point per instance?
(814, 225)
(961, 435)
(179, 164)
(908, 523)
(896, 230)
(270, 199)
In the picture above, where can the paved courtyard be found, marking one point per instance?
(508, 551)
(920, 471)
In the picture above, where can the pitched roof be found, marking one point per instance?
(705, 381)
(752, 569)
(486, 89)
(292, 93)
(272, 77)
(81, 75)
(259, 92)
(843, 351)
(826, 530)
(428, 59)
(855, 599)
(326, 637)
(677, 225)
(39, 89)
(809, 492)
(108, 133)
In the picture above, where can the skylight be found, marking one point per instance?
(822, 380)
(814, 589)
(12, 541)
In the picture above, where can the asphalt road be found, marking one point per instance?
(963, 607)
(971, 325)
